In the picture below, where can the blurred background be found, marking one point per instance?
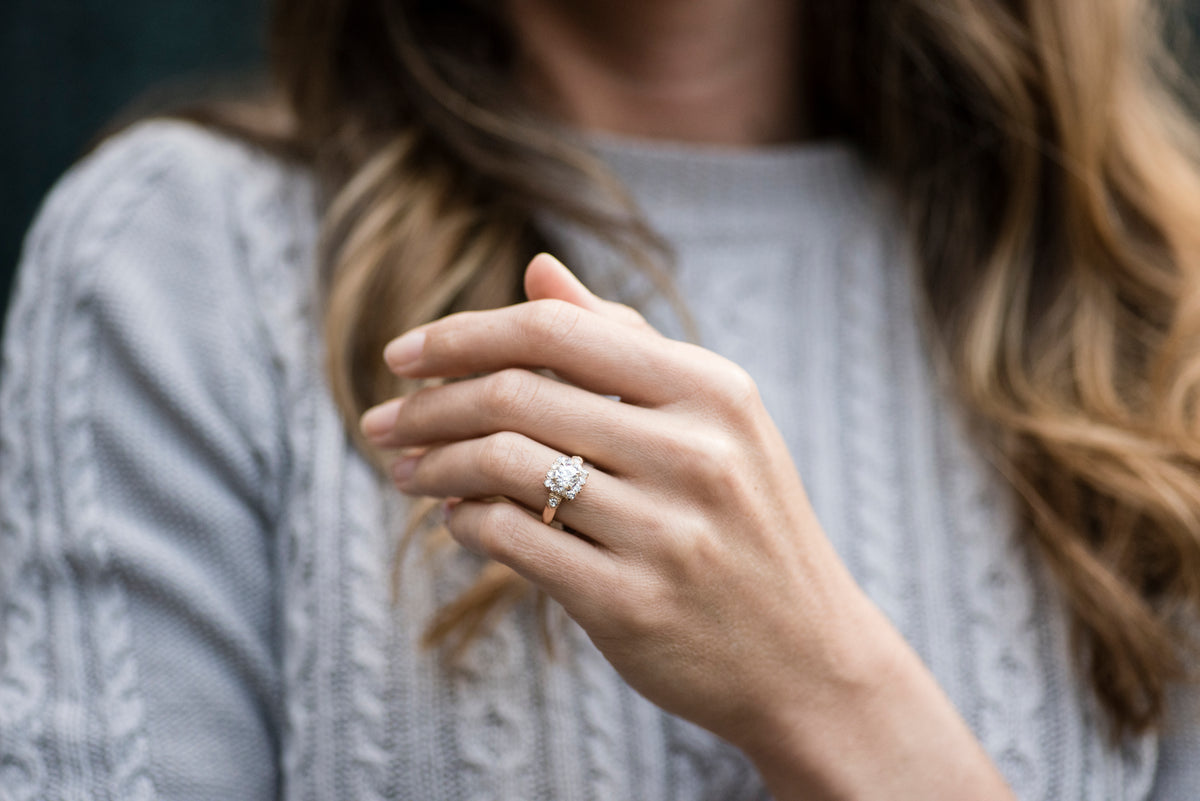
(68, 67)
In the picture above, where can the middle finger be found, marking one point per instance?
(513, 466)
(560, 415)
(588, 349)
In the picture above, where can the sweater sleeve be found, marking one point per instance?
(139, 455)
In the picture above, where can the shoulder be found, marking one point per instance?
(174, 264)
(167, 180)
(174, 217)
(143, 457)
(169, 154)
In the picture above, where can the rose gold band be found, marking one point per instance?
(548, 513)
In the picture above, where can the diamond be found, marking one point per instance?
(565, 478)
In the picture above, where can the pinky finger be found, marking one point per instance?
(572, 571)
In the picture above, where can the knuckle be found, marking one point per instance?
(723, 451)
(727, 479)
(641, 614)
(650, 607)
(638, 605)
(507, 393)
(499, 454)
(673, 541)
(547, 321)
(499, 529)
(739, 390)
(725, 387)
(730, 393)
(709, 455)
(692, 549)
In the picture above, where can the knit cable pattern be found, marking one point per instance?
(870, 431)
(277, 206)
(810, 301)
(68, 669)
(1011, 694)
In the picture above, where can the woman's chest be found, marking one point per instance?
(920, 520)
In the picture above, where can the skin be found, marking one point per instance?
(704, 578)
(693, 559)
(722, 72)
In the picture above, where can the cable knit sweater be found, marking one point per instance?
(194, 559)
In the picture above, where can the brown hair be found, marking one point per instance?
(1051, 178)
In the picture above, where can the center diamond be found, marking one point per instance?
(565, 478)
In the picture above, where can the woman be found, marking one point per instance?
(991, 593)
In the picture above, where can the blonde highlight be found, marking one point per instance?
(1052, 181)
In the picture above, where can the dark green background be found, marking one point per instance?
(68, 66)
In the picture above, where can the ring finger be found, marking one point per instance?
(513, 466)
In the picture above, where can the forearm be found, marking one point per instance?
(883, 728)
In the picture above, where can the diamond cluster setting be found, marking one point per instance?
(565, 479)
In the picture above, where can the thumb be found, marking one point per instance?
(547, 277)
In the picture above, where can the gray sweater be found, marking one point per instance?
(194, 559)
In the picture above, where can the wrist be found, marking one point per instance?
(870, 722)
(802, 735)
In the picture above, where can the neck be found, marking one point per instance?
(709, 71)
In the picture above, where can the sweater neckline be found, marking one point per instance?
(689, 187)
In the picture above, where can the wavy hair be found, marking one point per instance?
(1050, 174)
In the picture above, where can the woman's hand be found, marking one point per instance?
(693, 558)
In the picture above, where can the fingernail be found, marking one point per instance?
(379, 421)
(402, 352)
(403, 470)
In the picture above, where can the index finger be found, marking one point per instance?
(581, 346)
